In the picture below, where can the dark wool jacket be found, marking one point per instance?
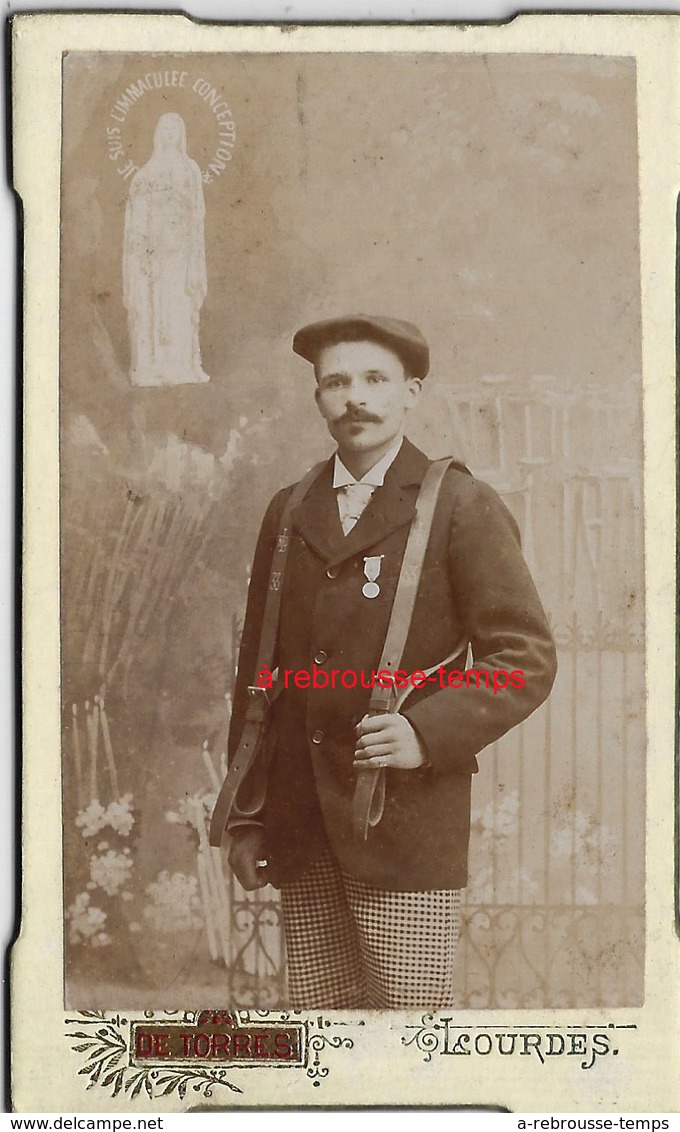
(475, 586)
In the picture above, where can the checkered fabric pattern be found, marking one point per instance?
(350, 945)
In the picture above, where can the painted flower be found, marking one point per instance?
(101, 939)
(119, 815)
(193, 810)
(174, 902)
(499, 818)
(111, 871)
(92, 819)
(86, 921)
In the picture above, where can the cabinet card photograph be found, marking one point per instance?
(335, 501)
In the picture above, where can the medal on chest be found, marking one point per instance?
(372, 573)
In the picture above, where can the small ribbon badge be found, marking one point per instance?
(372, 572)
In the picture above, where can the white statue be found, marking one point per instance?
(164, 278)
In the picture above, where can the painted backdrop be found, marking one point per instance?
(491, 200)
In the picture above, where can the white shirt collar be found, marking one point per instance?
(375, 476)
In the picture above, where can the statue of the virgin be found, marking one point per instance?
(164, 277)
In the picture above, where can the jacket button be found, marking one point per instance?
(321, 657)
(332, 572)
(317, 737)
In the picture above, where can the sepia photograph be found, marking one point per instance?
(351, 531)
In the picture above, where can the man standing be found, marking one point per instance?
(373, 921)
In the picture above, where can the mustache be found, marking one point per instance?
(358, 415)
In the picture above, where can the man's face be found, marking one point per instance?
(363, 394)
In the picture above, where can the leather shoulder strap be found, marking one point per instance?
(369, 793)
(272, 608)
(409, 579)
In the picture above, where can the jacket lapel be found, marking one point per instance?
(316, 517)
(392, 505)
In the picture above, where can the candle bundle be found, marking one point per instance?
(96, 723)
(132, 575)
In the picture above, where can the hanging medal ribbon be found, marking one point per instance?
(372, 572)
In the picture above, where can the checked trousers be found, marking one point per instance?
(350, 945)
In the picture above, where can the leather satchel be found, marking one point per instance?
(243, 791)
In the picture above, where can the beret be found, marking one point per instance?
(402, 337)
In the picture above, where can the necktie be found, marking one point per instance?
(353, 499)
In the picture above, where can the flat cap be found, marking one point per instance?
(402, 337)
